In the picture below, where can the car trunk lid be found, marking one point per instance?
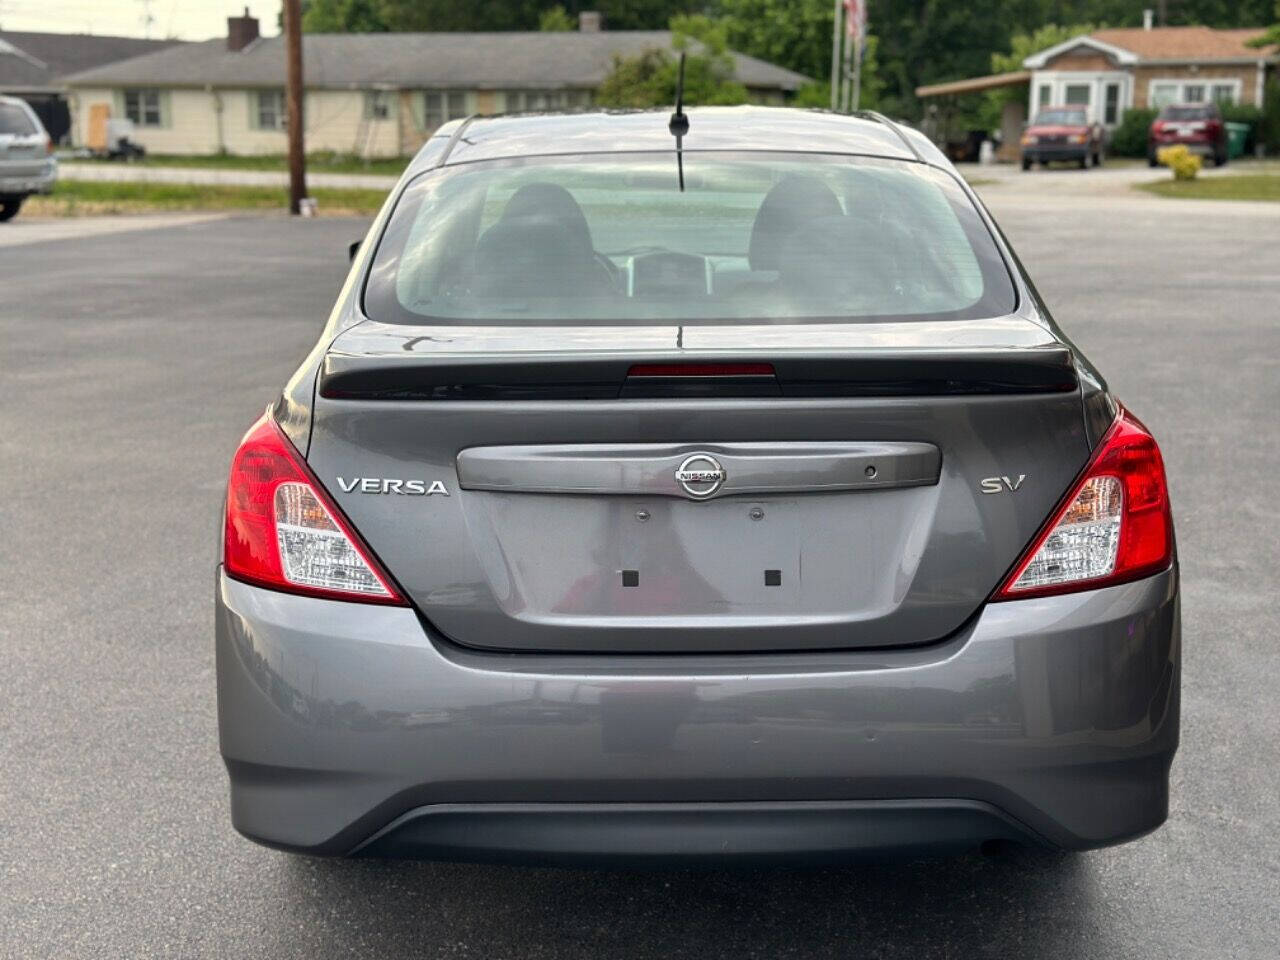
(664, 489)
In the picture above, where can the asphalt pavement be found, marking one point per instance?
(130, 363)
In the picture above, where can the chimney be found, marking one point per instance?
(1148, 16)
(590, 21)
(241, 31)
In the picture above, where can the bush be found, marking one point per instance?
(1129, 139)
(1184, 164)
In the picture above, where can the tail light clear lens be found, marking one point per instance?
(1115, 524)
(283, 531)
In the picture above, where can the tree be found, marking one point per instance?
(343, 16)
(556, 20)
(649, 78)
(1023, 45)
(364, 16)
(1272, 36)
(795, 34)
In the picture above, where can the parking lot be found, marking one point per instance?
(135, 354)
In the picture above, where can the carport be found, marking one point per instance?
(944, 101)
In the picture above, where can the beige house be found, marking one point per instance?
(1111, 71)
(373, 95)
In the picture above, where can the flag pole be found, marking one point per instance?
(835, 56)
(857, 71)
(846, 97)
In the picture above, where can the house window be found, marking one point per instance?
(1163, 94)
(1166, 91)
(144, 107)
(440, 106)
(1045, 93)
(522, 100)
(377, 105)
(1077, 94)
(1111, 104)
(1224, 93)
(266, 110)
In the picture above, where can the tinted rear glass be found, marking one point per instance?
(753, 236)
(14, 120)
(1186, 113)
(1061, 117)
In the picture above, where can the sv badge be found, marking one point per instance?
(999, 484)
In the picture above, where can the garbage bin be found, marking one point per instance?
(1237, 134)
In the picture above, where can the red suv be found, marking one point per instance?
(1197, 125)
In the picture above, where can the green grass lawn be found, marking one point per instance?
(1246, 186)
(316, 163)
(72, 198)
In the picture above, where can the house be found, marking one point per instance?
(33, 66)
(1112, 71)
(373, 94)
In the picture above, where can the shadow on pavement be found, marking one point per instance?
(1014, 904)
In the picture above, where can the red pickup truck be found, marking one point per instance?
(1062, 133)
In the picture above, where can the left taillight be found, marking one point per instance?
(284, 532)
(1115, 524)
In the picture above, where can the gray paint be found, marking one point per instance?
(1061, 713)
(862, 568)
(650, 468)
(337, 718)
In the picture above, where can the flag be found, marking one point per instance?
(855, 19)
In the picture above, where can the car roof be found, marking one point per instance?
(710, 128)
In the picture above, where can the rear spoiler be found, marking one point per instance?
(578, 377)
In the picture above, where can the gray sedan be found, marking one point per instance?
(653, 498)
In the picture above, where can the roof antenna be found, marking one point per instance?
(679, 123)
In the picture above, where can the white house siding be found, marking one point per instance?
(190, 127)
(204, 122)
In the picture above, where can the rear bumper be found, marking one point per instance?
(39, 178)
(1205, 148)
(348, 728)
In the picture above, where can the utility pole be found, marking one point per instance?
(293, 94)
(147, 19)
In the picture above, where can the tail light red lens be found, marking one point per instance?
(1115, 525)
(284, 532)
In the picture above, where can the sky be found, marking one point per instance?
(183, 19)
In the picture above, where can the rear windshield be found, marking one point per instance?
(1061, 117)
(1186, 113)
(612, 239)
(14, 120)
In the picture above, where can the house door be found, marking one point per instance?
(1111, 109)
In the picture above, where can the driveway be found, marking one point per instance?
(1110, 183)
(132, 363)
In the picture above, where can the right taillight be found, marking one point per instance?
(1115, 525)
